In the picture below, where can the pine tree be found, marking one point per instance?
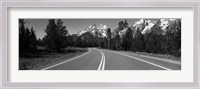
(125, 25)
(109, 37)
(173, 38)
(27, 40)
(155, 39)
(62, 34)
(51, 35)
(21, 36)
(127, 39)
(138, 41)
(117, 42)
(33, 40)
(56, 35)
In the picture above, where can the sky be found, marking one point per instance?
(74, 25)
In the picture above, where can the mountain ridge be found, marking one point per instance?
(144, 25)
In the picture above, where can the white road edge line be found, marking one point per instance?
(102, 63)
(67, 60)
(143, 61)
(159, 59)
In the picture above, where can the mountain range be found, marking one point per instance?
(144, 25)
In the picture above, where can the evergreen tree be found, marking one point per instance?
(120, 26)
(155, 39)
(138, 41)
(117, 42)
(51, 34)
(21, 36)
(56, 35)
(109, 37)
(39, 42)
(33, 40)
(62, 34)
(125, 25)
(27, 38)
(173, 38)
(127, 39)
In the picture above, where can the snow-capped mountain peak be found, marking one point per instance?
(99, 30)
(165, 23)
(141, 21)
(149, 24)
(145, 25)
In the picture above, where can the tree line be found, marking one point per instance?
(155, 41)
(27, 38)
(54, 40)
(57, 38)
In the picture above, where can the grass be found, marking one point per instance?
(164, 56)
(42, 57)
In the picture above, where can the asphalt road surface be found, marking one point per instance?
(102, 59)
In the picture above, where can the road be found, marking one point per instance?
(102, 59)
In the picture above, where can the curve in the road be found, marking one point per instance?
(68, 60)
(102, 63)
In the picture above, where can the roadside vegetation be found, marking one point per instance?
(42, 57)
(162, 56)
(33, 52)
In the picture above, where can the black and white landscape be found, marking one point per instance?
(100, 44)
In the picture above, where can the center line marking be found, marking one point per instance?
(99, 68)
(103, 66)
(102, 63)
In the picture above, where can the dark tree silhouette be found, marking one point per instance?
(108, 37)
(173, 39)
(154, 40)
(127, 39)
(138, 41)
(56, 35)
(27, 38)
(33, 40)
(21, 36)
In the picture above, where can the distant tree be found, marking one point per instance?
(78, 42)
(39, 42)
(109, 37)
(116, 42)
(125, 25)
(155, 39)
(122, 25)
(104, 43)
(71, 40)
(173, 38)
(138, 41)
(127, 40)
